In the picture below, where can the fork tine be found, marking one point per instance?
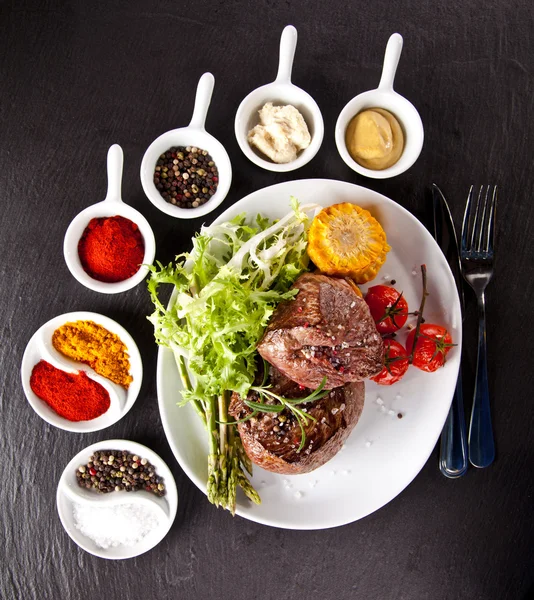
(476, 223)
(465, 222)
(483, 230)
(488, 247)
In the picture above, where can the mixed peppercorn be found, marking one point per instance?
(115, 470)
(186, 176)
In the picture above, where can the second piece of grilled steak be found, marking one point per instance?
(326, 331)
(272, 440)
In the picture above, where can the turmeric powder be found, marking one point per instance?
(92, 344)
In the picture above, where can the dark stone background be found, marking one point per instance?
(79, 76)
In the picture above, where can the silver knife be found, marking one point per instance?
(453, 449)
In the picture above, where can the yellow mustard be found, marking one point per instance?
(374, 139)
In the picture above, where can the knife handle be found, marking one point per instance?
(453, 449)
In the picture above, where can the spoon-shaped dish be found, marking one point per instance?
(110, 207)
(70, 493)
(194, 134)
(385, 97)
(40, 348)
(280, 92)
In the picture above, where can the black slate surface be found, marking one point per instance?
(79, 76)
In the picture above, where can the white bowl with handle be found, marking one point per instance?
(110, 207)
(387, 98)
(280, 92)
(194, 134)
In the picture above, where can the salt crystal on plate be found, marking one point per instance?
(379, 401)
(368, 444)
(298, 495)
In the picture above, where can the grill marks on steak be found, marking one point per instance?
(326, 331)
(271, 440)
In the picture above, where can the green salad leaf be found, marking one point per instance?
(225, 291)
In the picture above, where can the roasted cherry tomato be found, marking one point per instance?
(388, 308)
(433, 344)
(395, 363)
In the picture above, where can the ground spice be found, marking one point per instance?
(111, 249)
(72, 396)
(94, 345)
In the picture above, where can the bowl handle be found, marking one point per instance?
(391, 61)
(202, 101)
(288, 44)
(114, 164)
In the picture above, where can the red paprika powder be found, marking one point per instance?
(111, 249)
(73, 396)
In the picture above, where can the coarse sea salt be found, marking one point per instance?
(298, 495)
(112, 526)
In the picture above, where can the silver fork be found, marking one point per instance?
(478, 237)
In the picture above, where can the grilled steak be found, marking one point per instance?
(326, 331)
(271, 440)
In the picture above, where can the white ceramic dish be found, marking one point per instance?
(69, 492)
(40, 348)
(110, 207)
(385, 97)
(384, 453)
(280, 92)
(194, 134)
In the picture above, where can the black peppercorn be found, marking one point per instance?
(190, 170)
(115, 471)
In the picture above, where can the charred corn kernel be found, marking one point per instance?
(346, 240)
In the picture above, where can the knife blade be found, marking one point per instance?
(445, 236)
(453, 449)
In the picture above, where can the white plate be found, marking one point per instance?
(384, 453)
(169, 502)
(40, 348)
